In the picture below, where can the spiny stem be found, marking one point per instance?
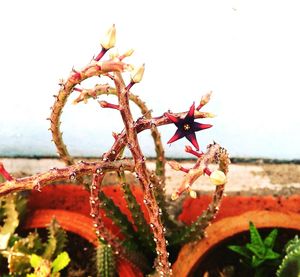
(62, 174)
(215, 154)
(107, 90)
(101, 231)
(76, 77)
(162, 264)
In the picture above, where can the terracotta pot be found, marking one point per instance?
(69, 204)
(233, 218)
(236, 205)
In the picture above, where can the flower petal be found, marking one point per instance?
(178, 135)
(199, 126)
(173, 118)
(192, 138)
(191, 112)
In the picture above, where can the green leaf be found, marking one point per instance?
(256, 262)
(144, 234)
(113, 211)
(256, 250)
(269, 241)
(243, 251)
(255, 236)
(271, 255)
(35, 260)
(61, 261)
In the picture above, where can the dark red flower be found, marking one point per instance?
(187, 127)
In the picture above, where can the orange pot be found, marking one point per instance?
(233, 218)
(69, 204)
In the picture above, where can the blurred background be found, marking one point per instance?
(246, 52)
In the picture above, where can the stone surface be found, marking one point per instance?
(242, 178)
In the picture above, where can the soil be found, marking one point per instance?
(83, 257)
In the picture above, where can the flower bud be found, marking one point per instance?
(218, 177)
(193, 194)
(128, 53)
(109, 40)
(204, 114)
(137, 74)
(204, 100)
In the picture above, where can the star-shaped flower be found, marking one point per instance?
(187, 127)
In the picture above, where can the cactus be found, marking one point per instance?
(18, 250)
(120, 220)
(149, 234)
(105, 261)
(18, 256)
(57, 239)
(11, 220)
(143, 232)
(290, 265)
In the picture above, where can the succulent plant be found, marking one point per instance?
(290, 265)
(147, 235)
(17, 250)
(105, 261)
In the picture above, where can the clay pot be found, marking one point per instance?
(69, 204)
(233, 218)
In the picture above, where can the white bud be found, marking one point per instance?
(218, 177)
(193, 194)
(109, 40)
(137, 74)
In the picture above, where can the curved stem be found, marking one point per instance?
(76, 77)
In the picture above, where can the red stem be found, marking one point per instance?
(100, 55)
(4, 173)
(207, 171)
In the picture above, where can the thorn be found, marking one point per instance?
(105, 104)
(77, 89)
(115, 135)
(190, 150)
(49, 119)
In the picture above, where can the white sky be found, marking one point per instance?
(246, 52)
